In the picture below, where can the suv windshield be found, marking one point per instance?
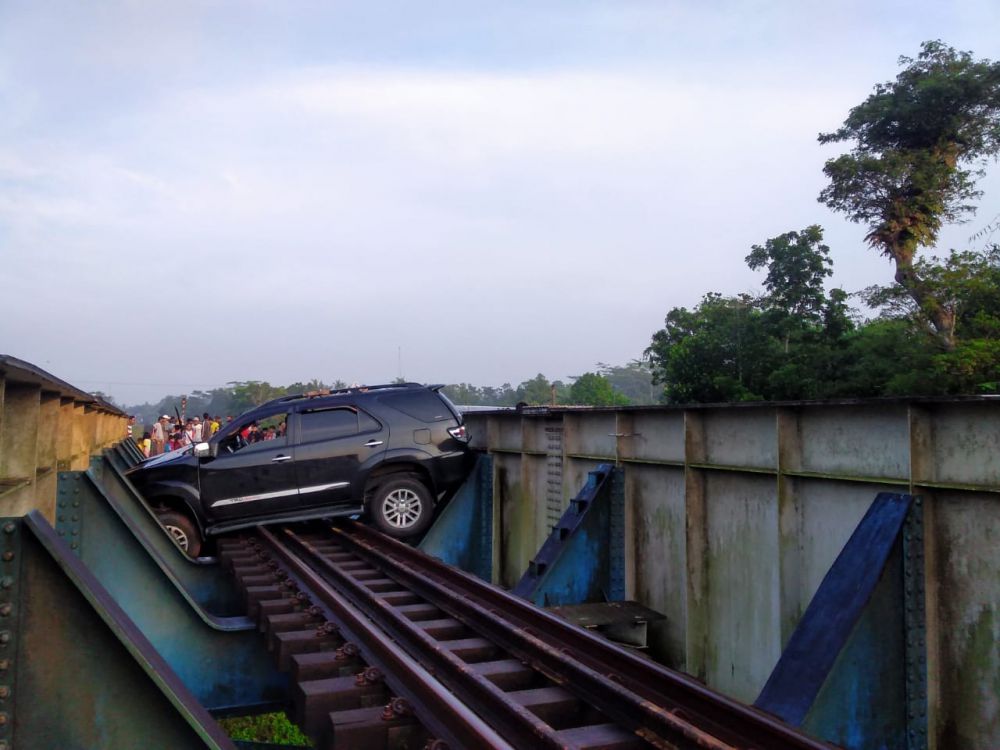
(269, 430)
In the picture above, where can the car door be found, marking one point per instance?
(331, 444)
(248, 479)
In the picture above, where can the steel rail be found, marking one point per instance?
(441, 712)
(660, 728)
(666, 696)
(514, 722)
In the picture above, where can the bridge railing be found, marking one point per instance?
(46, 426)
(734, 514)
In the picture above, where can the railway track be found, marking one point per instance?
(391, 648)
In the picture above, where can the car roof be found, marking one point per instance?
(353, 390)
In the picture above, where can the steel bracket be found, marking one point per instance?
(69, 510)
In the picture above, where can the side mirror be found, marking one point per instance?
(202, 450)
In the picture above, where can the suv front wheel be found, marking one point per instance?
(401, 506)
(183, 531)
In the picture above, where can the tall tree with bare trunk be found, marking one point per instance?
(920, 143)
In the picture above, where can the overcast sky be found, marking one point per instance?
(198, 192)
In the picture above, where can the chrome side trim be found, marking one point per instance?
(321, 487)
(251, 498)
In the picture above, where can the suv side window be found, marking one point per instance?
(333, 423)
(426, 406)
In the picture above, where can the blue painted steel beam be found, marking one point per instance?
(843, 674)
(222, 660)
(79, 673)
(582, 560)
(462, 534)
(209, 588)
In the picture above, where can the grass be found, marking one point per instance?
(274, 728)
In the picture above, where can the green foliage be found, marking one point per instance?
(920, 142)
(798, 342)
(968, 285)
(269, 728)
(538, 390)
(633, 381)
(796, 263)
(591, 389)
(720, 351)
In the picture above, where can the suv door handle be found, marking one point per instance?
(373, 443)
(279, 459)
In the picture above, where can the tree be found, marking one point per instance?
(796, 263)
(920, 142)
(250, 393)
(591, 389)
(720, 351)
(968, 285)
(633, 380)
(538, 390)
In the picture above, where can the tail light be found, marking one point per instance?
(459, 433)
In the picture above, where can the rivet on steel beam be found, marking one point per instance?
(436, 744)
(76, 503)
(6, 609)
(62, 532)
(6, 582)
(74, 545)
(4, 665)
(3, 719)
(4, 692)
(8, 556)
(387, 713)
(4, 637)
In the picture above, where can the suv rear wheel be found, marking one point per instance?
(183, 531)
(401, 506)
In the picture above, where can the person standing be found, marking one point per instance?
(159, 435)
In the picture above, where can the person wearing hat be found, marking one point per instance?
(159, 435)
(196, 430)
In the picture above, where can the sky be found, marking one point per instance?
(193, 193)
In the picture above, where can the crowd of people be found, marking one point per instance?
(170, 433)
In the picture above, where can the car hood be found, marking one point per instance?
(165, 458)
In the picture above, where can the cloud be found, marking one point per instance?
(448, 184)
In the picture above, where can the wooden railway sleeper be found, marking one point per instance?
(517, 723)
(657, 726)
(354, 727)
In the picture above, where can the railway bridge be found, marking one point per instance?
(793, 575)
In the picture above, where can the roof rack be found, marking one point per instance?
(341, 391)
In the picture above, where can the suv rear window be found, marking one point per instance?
(426, 406)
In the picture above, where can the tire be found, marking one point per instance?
(401, 506)
(183, 531)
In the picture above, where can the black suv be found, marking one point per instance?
(389, 451)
